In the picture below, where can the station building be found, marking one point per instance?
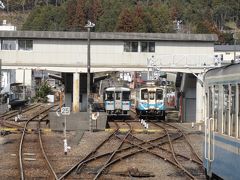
(227, 53)
(66, 52)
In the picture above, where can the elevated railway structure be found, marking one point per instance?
(25, 51)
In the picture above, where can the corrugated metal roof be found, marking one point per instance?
(108, 36)
(226, 48)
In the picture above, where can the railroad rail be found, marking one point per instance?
(21, 165)
(10, 114)
(99, 163)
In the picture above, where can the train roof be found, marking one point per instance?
(117, 89)
(228, 72)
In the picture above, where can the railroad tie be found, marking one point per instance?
(29, 158)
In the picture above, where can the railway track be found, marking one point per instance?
(98, 156)
(33, 162)
(110, 159)
(10, 114)
(98, 164)
(193, 161)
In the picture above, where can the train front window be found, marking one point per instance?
(159, 94)
(109, 96)
(151, 95)
(125, 96)
(118, 95)
(144, 94)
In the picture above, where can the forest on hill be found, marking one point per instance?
(221, 17)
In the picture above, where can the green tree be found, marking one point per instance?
(111, 10)
(160, 18)
(46, 18)
(42, 92)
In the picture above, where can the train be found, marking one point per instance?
(151, 101)
(117, 101)
(222, 122)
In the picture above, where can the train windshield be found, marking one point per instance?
(118, 95)
(159, 94)
(151, 95)
(125, 96)
(109, 96)
(144, 94)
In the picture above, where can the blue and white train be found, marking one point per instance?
(117, 101)
(151, 101)
(222, 122)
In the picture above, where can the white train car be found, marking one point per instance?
(151, 101)
(117, 101)
(222, 122)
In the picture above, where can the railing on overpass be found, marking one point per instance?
(181, 63)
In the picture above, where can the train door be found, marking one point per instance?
(126, 100)
(118, 100)
(143, 105)
(209, 130)
(159, 98)
(152, 99)
(109, 100)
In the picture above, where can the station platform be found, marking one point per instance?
(76, 121)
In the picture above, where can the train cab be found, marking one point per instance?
(150, 101)
(117, 100)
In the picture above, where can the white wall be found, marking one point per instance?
(72, 55)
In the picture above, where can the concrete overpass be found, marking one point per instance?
(67, 52)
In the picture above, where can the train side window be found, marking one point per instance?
(216, 108)
(233, 117)
(159, 94)
(220, 109)
(125, 96)
(210, 102)
(144, 94)
(118, 95)
(225, 109)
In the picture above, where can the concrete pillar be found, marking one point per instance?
(76, 92)
(24, 76)
(199, 99)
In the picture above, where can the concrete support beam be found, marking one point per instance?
(199, 99)
(76, 79)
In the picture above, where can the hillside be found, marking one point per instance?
(15, 18)
(184, 16)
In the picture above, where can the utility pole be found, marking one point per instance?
(89, 25)
(24, 86)
(0, 74)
